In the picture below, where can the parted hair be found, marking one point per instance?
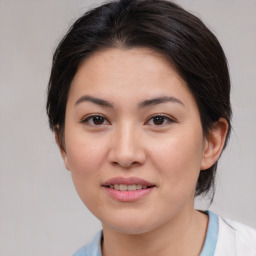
(164, 27)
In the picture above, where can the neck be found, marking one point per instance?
(181, 236)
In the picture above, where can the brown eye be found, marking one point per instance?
(95, 120)
(159, 120)
(98, 120)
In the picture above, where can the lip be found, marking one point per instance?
(127, 181)
(128, 196)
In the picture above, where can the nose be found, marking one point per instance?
(127, 147)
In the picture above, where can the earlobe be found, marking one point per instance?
(214, 143)
(61, 147)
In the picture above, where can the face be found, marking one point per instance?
(133, 140)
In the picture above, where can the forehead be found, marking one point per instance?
(114, 61)
(136, 73)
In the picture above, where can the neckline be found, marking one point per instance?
(94, 248)
(211, 235)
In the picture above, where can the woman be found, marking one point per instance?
(139, 100)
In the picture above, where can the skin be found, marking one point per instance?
(128, 142)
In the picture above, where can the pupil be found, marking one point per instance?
(98, 120)
(158, 120)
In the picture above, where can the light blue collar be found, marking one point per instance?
(211, 235)
(93, 248)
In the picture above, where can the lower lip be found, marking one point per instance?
(128, 196)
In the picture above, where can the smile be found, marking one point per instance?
(124, 187)
(128, 189)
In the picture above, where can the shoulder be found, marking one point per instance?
(91, 249)
(245, 235)
(235, 238)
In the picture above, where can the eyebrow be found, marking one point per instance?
(143, 104)
(159, 100)
(94, 100)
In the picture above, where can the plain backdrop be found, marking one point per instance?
(40, 212)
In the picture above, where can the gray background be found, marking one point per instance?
(40, 213)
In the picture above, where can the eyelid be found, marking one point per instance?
(167, 117)
(85, 119)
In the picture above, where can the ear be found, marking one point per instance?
(214, 143)
(61, 146)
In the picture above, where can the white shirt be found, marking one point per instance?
(235, 239)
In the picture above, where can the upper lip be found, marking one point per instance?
(127, 181)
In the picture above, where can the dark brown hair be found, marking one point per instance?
(159, 25)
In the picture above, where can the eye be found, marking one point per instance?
(95, 120)
(160, 120)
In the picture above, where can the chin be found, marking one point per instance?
(129, 226)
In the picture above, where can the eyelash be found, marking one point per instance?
(88, 118)
(167, 120)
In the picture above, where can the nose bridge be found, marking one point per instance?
(127, 148)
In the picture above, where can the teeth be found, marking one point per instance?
(131, 187)
(138, 186)
(124, 187)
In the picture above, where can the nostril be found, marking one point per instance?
(127, 157)
(125, 164)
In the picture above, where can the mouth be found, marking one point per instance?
(125, 187)
(128, 189)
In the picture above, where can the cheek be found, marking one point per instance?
(177, 159)
(82, 158)
(85, 152)
(85, 158)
